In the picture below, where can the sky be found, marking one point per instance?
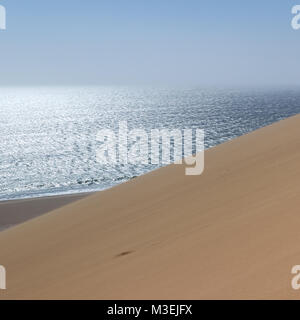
(149, 42)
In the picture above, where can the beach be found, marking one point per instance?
(231, 233)
(14, 212)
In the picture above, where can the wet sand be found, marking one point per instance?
(14, 212)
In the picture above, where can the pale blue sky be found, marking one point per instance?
(189, 42)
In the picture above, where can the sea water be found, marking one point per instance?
(48, 134)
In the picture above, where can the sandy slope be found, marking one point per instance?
(233, 232)
(14, 212)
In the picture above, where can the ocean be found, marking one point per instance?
(48, 134)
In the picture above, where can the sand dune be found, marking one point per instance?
(14, 212)
(233, 232)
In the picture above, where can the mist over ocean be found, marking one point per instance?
(48, 134)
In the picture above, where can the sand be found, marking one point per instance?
(14, 212)
(231, 233)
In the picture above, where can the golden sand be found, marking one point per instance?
(233, 232)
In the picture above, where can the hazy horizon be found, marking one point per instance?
(171, 43)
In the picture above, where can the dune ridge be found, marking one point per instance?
(231, 233)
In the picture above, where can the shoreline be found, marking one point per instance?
(14, 212)
(43, 195)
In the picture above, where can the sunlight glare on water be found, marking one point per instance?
(48, 134)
